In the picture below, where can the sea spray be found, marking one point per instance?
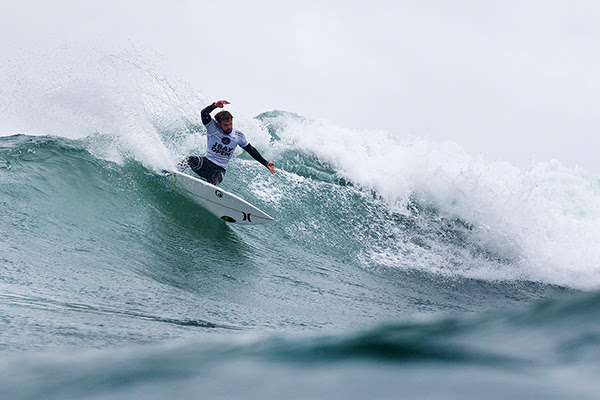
(119, 103)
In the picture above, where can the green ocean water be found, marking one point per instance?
(395, 268)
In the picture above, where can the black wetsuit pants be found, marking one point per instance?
(206, 169)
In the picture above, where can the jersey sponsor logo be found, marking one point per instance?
(225, 140)
(218, 148)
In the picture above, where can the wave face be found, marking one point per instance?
(390, 258)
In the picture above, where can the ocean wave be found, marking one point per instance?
(412, 199)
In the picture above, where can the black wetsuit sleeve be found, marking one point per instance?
(205, 114)
(255, 154)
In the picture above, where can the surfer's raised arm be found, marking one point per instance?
(205, 113)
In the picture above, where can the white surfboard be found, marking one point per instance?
(225, 205)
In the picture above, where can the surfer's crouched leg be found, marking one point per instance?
(217, 176)
(206, 169)
(196, 163)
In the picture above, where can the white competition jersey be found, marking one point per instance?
(220, 146)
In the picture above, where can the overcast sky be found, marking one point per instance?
(515, 80)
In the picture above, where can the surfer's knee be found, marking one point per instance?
(217, 177)
(195, 163)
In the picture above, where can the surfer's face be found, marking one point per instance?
(226, 126)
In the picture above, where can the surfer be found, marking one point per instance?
(222, 140)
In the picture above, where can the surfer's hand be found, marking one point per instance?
(271, 167)
(221, 103)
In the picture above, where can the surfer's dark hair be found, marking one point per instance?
(223, 116)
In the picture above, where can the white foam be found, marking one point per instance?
(545, 218)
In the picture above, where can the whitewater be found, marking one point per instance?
(397, 266)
